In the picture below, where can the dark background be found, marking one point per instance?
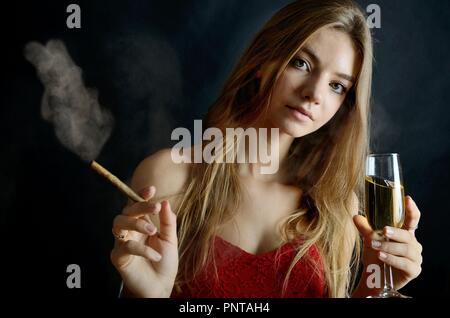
(157, 65)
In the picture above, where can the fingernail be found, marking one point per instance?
(389, 231)
(156, 207)
(157, 256)
(150, 228)
(145, 192)
(376, 244)
(383, 255)
(151, 205)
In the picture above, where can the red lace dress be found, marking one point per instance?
(243, 275)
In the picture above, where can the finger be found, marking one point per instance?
(141, 208)
(410, 268)
(119, 235)
(123, 222)
(139, 249)
(122, 252)
(398, 249)
(168, 223)
(412, 215)
(398, 235)
(365, 229)
(363, 226)
(147, 193)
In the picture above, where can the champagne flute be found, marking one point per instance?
(384, 204)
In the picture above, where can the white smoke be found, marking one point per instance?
(80, 123)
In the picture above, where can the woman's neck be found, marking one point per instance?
(279, 145)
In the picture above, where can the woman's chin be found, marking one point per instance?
(290, 127)
(294, 131)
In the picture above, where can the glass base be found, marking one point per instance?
(389, 294)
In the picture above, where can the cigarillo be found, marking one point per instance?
(115, 181)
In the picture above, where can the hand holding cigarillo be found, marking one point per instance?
(146, 260)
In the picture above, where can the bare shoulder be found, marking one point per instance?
(161, 171)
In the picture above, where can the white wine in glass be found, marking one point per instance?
(384, 204)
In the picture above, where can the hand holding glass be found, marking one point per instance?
(384, 204)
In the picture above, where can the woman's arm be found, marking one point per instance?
(147, 262)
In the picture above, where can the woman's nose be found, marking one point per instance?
(312, 91)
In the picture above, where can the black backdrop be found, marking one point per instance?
(157, 65)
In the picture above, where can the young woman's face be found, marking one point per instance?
(314, 84)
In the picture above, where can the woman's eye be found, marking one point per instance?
(300, 64)
(338, 88)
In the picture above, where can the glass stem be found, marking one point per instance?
(388, 285)
(388, 279)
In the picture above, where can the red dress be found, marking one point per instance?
(244, 275)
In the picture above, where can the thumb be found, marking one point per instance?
(363, 226)
(167, 223)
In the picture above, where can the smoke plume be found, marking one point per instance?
(80, 123)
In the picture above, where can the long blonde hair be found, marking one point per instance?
(329, 162)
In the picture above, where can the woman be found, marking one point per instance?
(226, 230)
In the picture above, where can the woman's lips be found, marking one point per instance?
(299, 114)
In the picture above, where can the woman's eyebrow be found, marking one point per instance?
(311, 54)
(346, 77)
(316, 60)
